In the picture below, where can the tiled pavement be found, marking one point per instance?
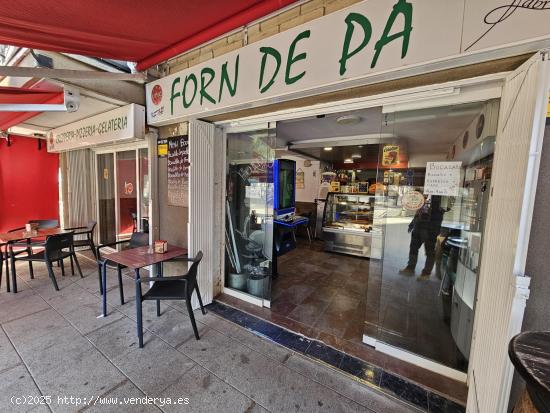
(54, 347)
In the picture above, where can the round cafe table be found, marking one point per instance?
(530, 355)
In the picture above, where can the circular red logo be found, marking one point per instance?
(156, 94)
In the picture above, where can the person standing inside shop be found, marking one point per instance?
(424, 229)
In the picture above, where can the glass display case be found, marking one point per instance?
(348, 223)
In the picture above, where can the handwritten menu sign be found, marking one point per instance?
(178, 171)
(442, 178)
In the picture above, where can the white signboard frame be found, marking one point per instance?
(442, 178)
(121, 124)
(342, 48)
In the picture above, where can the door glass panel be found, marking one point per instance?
(430, 212)
(249, 212)
(126, 193)
(106, 197)
(144, 188)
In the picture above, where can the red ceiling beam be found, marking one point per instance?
(238, 20)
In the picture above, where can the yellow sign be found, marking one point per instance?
(548, 109)
(162, 148)
(390, 155)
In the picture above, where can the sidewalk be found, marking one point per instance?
(54, 350)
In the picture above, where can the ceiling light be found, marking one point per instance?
(348, 160)
(356, 156)
(348, 120)
(327, 148)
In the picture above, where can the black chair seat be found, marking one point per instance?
(41, 256)
(166, 290)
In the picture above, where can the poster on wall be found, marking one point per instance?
(178, 171)
(300, 179)
(442, 178)
(390, 155)
(162, 148)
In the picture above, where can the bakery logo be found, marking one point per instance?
(502, 13)
(156, 94)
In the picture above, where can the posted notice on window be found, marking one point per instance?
(442, 178)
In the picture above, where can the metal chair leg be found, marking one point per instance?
(72, 265)
(13, 274)
(62, 267)
(120, 286)
(52, 275)
(139, 310)
(200, 298)
(77, 265)
(192, 317)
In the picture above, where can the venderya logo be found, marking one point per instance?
(156, 94)
(501, 13)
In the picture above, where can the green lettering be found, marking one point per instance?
(174, 95)
(406, 9)
(205, 83)
(225, 79)
(367, 33)
(268, 51)
(193, 78)
(293, 59)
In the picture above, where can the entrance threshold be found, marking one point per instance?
(416, 386)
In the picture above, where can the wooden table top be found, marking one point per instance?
(21, 235)
(143, 256)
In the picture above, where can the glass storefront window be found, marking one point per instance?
(126, 192)
(249, 212)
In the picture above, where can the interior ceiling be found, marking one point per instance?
(423, 131)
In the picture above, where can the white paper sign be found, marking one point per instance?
(442, 178)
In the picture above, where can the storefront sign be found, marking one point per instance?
(442, 178)
(124, 123)
(369, 37)
(178, 171)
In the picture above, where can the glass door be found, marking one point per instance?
(249, 214)
(432, 195)
(106, 197)
(123, 191)
(126, 193)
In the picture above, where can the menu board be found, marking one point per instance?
(178, 171)
(442, 178)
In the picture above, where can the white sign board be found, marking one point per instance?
(493, 23)
(341, 48)
(124, 123)
(345, 45)
(442, 178)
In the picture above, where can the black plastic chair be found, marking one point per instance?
(170, 288)
(56, 249)
(138, 239)
(16, 248)
(88, 231)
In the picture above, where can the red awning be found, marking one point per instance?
(11, 95)
(147, 32)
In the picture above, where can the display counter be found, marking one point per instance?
(348, 224)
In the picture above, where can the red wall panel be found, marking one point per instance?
(29, 187)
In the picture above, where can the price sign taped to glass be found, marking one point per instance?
(442, 178)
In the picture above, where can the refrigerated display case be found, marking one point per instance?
(348, 224)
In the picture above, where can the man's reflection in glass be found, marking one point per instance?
(424, 229)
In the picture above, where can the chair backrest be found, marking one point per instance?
(56, 243)
(45, 223)
(91, 225)
(192, 274)
(139, 239)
